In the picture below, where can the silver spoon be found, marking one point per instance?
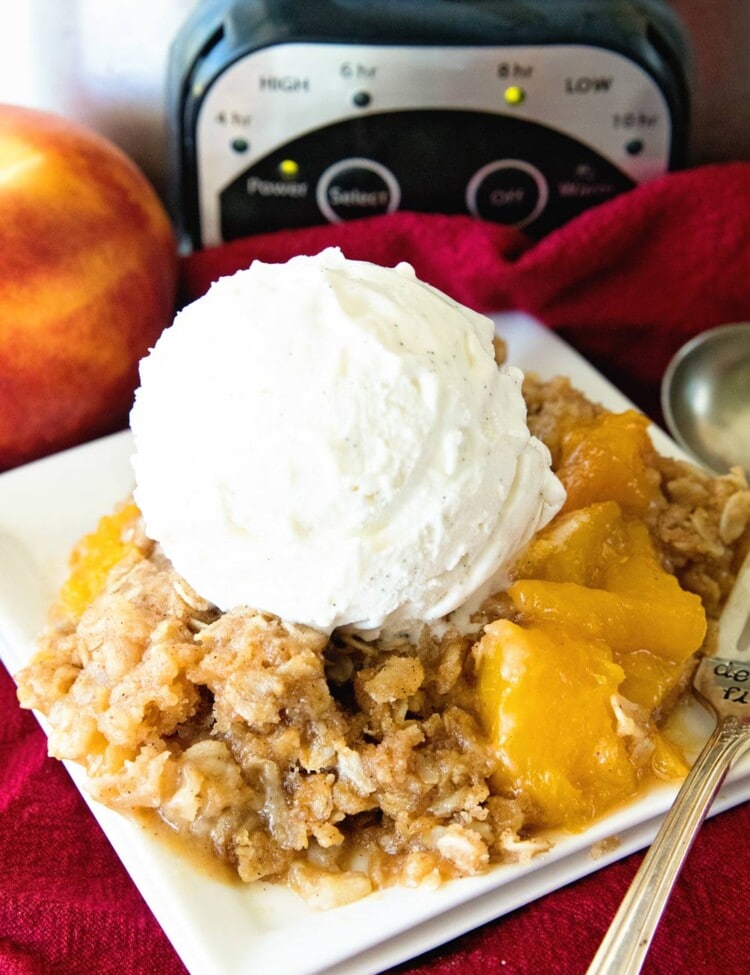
(705, 396)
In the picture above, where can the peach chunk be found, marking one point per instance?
(545, 698)
(622, 596)
(608, 458)
(95, 555)
(598, 623)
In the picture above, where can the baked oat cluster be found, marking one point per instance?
(340, 765)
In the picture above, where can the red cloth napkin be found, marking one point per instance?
(626, 283)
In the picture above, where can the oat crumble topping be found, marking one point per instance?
(337, 765)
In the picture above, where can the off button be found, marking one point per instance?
(509, 191)
(353, 188)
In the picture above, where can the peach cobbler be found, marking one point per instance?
(339, 764)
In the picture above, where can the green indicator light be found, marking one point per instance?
(514, 95)
(288, 168)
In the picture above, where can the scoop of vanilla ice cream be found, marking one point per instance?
(332, 441)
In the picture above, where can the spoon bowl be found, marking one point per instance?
(705, 397)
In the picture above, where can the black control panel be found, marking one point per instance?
(508, 170)
(522, 112)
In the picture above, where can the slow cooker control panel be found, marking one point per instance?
(299, 134)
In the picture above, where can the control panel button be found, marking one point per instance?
(353, 188)
(634, 147)
(508, 191)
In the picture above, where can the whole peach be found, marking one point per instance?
(88, 268)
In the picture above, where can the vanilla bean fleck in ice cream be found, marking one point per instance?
(333, 442)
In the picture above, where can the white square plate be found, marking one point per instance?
(225, 929)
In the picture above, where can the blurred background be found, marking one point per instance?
(104, 63)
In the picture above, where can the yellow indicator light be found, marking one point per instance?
(514, 95)
(288, 168)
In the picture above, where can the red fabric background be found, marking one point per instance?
(626, 283)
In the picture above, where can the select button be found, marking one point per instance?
(353, 188)
(509, 191)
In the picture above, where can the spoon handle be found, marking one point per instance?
(624, 947)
